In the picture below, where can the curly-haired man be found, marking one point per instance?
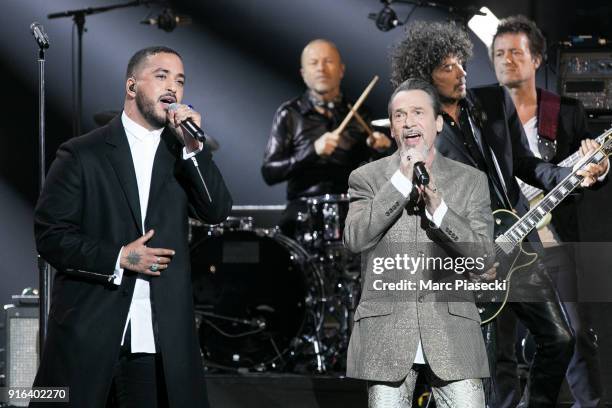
(482, 129)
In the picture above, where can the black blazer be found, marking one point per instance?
(572, 129)
(88, 209)
(503, 131)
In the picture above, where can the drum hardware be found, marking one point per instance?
(259, 323)
(268, 302)
(323, 223)
(256, 324)
(230, 224)
(320, 363)
(265, 292)
(320, 231)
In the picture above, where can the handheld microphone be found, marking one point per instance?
(188, 126)
(39, 34)
(420, 174)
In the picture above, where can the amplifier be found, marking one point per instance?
(587, 76)
(21, 326)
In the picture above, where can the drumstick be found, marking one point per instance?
(364, 95)
(363, 123)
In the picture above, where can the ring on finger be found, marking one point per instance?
(157, 260)
(154, 267)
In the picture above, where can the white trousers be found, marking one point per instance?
(466, 393)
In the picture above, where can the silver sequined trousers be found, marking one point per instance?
(455, 394)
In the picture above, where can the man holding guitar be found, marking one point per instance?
(555, 128)
(482, 129)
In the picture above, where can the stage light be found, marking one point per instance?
(386, 19)
(484, 26)
(168, 20)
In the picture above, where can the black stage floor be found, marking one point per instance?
(285, 390)
(291, 391)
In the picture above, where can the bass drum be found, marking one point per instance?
(257, 298)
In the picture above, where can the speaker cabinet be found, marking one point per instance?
(21, 326)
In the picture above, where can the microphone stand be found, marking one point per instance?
(78, 17)
(44, 269)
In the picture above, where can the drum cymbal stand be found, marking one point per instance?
(321, 367)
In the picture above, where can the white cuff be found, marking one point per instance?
(401, 183)
(190, 155)
(438, 215)
(118, 273)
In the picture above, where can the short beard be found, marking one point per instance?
(446, 100)
(147, 109)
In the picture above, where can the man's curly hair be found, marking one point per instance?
(424, 48)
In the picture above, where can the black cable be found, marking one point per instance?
(232, 336)
(410, 14)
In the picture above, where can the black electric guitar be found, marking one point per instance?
(510, 230)
(534, 194)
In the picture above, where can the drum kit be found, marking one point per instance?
(268, 302)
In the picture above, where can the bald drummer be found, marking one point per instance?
(303, 148)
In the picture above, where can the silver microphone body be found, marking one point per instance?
(39, 34)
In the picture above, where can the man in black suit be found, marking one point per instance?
(482, 129)
(555, 128)
(112, 219)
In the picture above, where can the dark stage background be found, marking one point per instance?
(241, 60)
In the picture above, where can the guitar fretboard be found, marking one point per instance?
(517, 232)
(532, 192)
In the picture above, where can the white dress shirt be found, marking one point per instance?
(404, 186)
(531, 131)
(143, 146)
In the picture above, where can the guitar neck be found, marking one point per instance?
(517, 232)
(532, 192)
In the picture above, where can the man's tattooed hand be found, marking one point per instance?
(138, 257)
(133, 258)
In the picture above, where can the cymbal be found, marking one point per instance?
(381, 122)
(102, 118)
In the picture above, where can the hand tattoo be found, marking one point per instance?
(133, 258)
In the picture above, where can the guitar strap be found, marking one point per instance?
(549, 106)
